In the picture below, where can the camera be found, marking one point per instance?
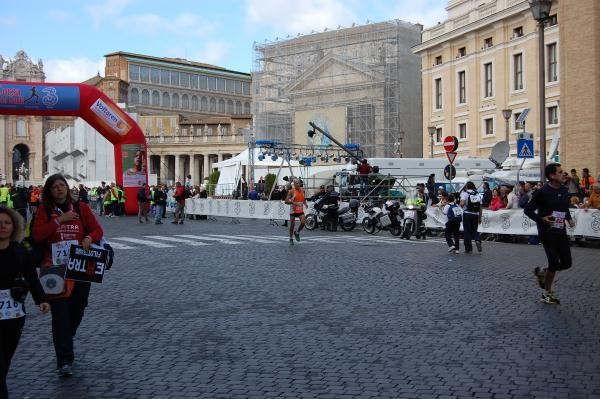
(19, 289)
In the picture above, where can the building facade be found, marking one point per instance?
(192, 113)
(360, 84)
(481, 61)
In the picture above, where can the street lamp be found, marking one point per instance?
(506, 113)
(431, 130)
(541, 11)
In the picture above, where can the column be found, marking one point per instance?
(163, 166)
(205, 171)
(196, 169)
(177, 168)
(219, 157)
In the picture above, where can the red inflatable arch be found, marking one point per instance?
(89, 103)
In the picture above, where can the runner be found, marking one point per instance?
(552, 205)
(295, 198)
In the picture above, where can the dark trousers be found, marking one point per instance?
(10, 334)
(67, 314)
(470, 225)
(558, 251)
(452, 233)
(115, 208)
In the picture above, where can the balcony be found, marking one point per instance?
(197, 140)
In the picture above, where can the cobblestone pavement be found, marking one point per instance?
(211, 309)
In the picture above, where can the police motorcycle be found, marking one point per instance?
(413, 223)
(323, 214)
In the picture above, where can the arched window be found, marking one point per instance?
(155, 98)
(166, 99)
(145, 97)
(135, 96)
(185, 102)
(203, 104)
(247, 109)
(221, 106)
(195, 103)
(21, 128)
(175, 100)
(213, 105)
(229, 107)
(238, 107)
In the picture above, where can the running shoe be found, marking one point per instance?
(297, 235)
(541, 277)
(451, 249)
(291, 241)
(65, 371)
(478, 244)
(550, 298)
(456, 251)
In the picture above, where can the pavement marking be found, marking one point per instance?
(243, 238)
(143, 242)
(179, 240)
(205, 238)
(117, 245)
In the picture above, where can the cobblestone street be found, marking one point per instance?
(219, 310)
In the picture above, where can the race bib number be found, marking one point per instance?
(298, 207)
(60, 252)
(9, 308)
(559, 220)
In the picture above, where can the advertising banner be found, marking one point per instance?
(331, 120)
(40, 98)
(85, 265)
(134, 164)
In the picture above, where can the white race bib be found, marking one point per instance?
(9, 308)
(60, 252)
(559, 220)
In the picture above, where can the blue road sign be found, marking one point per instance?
(524, 148)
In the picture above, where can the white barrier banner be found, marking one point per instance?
(514, 221)
(237, 208)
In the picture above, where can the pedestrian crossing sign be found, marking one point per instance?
(525, 148)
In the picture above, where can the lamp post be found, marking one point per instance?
(400, 138)
(541, 11)
(506, 113)
(431, 130)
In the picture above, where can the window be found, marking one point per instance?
(553, 115)
(438, 93)
(148, 124)
(462, 88)
(213, 105)
(518, 71)
(246, 88)
(462, 130)
(552, 20)
(212, 83)
(164, 77)
(552, 63)
(194, 81)
(238, 108)
(221, 106)
(489, 126)
(173, 123)
(202, 81)
(155, 75)
(135, 96)
(174, 78)
(145, 97)
(185, 102)
(439, 134)
(517, 32)
(155, 98)
(517, 125)
(184, 79)
(195, 103)
(203, 104)
(134, 72)
(462, 52)
(166, 100)
(487, 43)
(488, 88)
(438, 60)
(21, 128)
(230, 86)
(144, 74)
(247, 108)
(159, 124)
(221, 84)
(175, 100)
(230, 107)
(238, 87)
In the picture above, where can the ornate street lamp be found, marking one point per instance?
(431, 130)
(507, 113)
(541, 11)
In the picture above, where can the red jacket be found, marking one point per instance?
(49, 230)
(179, 195)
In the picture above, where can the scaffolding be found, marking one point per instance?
(369, 72)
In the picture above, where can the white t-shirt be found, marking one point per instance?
(464, 196)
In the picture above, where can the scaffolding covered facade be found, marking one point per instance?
(361, 84)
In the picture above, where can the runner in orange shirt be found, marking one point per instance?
(295, 198)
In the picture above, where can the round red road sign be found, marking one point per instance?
(450, 143)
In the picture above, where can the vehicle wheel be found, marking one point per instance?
(348, 226)
(407, 230)
(368, 225)
(310, 222)
(396, 230)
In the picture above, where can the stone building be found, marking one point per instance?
(361, 84)
(482, 60)
(192, 114)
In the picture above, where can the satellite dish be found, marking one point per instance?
(500, 153)
(554, 144)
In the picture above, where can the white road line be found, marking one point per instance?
(143, 242)
(179, 240)
(243, 238)
(205, 238)
(117, 245)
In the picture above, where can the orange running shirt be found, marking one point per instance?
(297, 201)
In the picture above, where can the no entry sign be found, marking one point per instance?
(450, 143)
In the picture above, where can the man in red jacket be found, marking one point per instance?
(180, 198)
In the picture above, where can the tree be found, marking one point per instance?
(213, 178)
(269, 181)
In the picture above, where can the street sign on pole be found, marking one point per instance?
(449, 172)
(450, 143)
(525, 148)
(451, 157)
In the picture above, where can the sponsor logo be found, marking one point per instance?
(109, 116)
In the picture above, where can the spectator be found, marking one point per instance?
(253, 194)
(487, 195)
(594, 199)
(83, 194)
(573, 183)
(260, 186)
(525, 195)
(430, 185)
(497, 201)
(512, 199)
(179, 196)
(320, 194)
(587, 182)
(421, 194)
(363, 173)
(574, 202)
